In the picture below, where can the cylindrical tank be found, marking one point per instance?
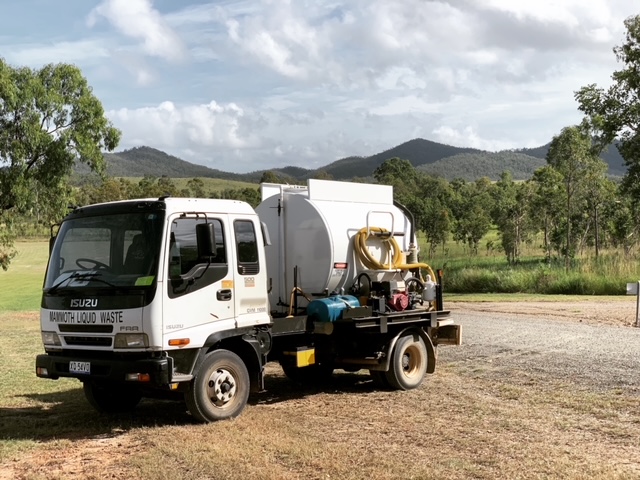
(331, 308)
(429, 291)
(311, 229)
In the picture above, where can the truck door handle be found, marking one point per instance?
(223, 295)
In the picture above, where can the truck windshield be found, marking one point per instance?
(106, 251)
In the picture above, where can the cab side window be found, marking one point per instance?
(187, 271)
(247, 246)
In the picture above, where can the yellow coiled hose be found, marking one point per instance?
(392, 247)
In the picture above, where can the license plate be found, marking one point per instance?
(80, 367)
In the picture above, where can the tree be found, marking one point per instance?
(401, 175)
(599, 194)
(623, 226)
(614, 113)
(511, 214)
(196, 188)
(572, 155)
(270, 177)
(49, 120)
(322, 175)
(546, 205)
(471, 206)
(435, 213)
(110, 189)
(150, 186)
(250, 195)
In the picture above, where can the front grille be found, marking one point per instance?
(88, 341)
(86, 328)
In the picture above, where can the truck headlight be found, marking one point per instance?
(51, 338)
(131, 340)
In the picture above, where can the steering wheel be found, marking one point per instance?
(95, 264)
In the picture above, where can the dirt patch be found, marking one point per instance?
(619, 312)
(95, 458)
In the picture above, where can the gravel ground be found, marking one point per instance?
(591, 356)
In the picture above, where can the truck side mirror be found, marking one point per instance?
(52, 237)
(206, 238)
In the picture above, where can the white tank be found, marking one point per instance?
(312, 228)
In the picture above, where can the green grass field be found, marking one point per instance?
(21, 285)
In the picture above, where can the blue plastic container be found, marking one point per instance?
(331, 309)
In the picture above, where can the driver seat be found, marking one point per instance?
(136, 259)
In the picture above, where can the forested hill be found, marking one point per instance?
(143, 161)
(470, 166)
(611, 156)
(436, 158)
(418, 151)
(147, 161)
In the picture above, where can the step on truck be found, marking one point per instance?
(192, 297)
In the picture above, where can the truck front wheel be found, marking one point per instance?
(220, 389)
(408, 362)
(108, 398)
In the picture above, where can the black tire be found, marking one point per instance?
(114, 398)
(380, 379)
(408, 362)
(220, 388)
(309, 375)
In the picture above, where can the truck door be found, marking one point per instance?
(251, 274)
(199, 291)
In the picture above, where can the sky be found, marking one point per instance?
(248, 85)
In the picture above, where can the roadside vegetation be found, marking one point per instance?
(488, 271)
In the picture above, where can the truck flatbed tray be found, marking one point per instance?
(299, 324)
(382, 322)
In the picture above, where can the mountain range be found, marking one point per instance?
(431, 157)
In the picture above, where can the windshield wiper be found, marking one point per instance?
(78, 276)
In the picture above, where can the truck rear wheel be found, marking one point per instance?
(408, 362)
(220, 388)
(108, 398)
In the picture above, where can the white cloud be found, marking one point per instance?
(37, 54)
(138, 19)
(203, 128)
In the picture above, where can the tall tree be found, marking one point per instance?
(196, 188)
(434, 217)
(401, 175)
(546, 205)
(472, 204)
(599, 193)
(614, 113)
(49, 119)
(571, 154)
(511, 214)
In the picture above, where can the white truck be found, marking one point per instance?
(192, 297)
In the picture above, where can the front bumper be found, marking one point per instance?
(112, 370)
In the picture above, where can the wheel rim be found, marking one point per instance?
(221, 387)
(412, 361)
